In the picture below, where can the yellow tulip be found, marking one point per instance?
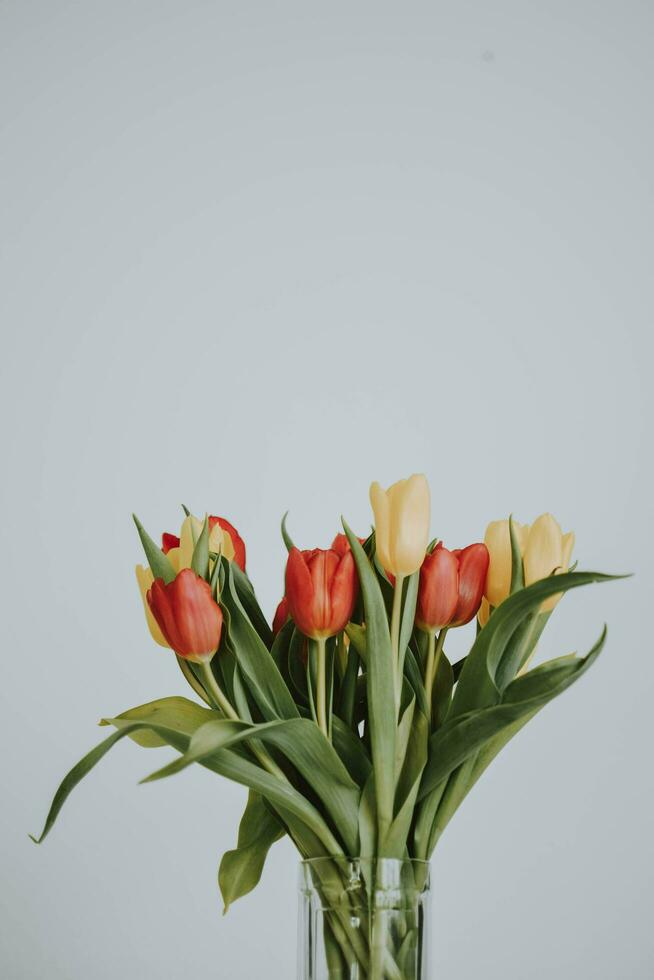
(219, 541)
(498, 541)
(145, 578)
(401, 524)
(545, 551)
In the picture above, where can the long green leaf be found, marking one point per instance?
(478, 684)
(240, 868)
(200, 558)
(169, 722)
(305, 747)
(284, 798)
(464, 735)
(253, 611)
(264, 681)
(159, 563)
(380, 685)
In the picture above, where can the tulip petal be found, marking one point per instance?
(409, 526)
(299, 591)
(498, 541)
(473, 567)
(343, 592)
(145, 578)
(438, 589)
(381, 509)
(189, 618)
(544, 551)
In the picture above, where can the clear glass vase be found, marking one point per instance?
(363, 919)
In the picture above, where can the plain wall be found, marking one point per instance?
(254, 256)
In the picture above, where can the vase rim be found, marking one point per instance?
(344, 859)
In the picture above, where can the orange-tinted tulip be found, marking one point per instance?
(237, 540)
(281, 616)
(451, 586)
(187, 615)
(321, 589)
(170, 541)
(340, 544)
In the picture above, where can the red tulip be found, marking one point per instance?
(170, 541)
(340, 544)
(451, 586)
(187, 615)
(321, 589)
(281, 616)
(237, 540)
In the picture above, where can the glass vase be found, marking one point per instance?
(363, 919)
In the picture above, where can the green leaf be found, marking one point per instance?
(348, 687)
(305, 747)
(463, 735)
(357, 635)
(288, 541)
(200, 559)
(408, 787)
(248, 600)
(287, 801)
(262, 678)
(517, 568)
(158, 562)
(442, 691)
(172, 720)
(409, 610)
(368, 819)
(414, 677)
(174, 714)
(351, 751)
(241, 868)
(478, 685)
(380, 686)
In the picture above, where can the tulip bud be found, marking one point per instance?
(321, 589)
(223, 538)
(281, 616)
(451, 586)
(545, 551)
(401, 524)
(498, 541)
(145, 578)
(237, 543)
(187, 615)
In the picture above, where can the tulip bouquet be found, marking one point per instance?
(353, 731)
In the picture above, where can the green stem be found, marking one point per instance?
(321, 686)
(213, 689)
(219, 699)
(396, 619)
(434, 651)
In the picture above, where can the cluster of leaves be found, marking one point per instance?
(385, 783)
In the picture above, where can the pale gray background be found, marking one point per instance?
(254, 256)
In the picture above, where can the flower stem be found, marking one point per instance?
(213, 688)
(221, 702)
(321, 686)
(434, 651)
(396, 618)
